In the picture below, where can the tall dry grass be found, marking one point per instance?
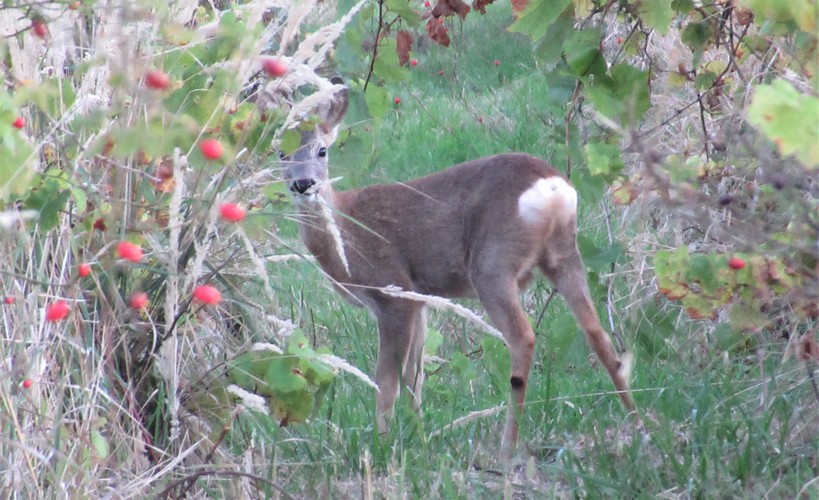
(112, 401)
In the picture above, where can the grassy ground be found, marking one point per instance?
(725, 422)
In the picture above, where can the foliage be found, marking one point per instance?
(293, 381)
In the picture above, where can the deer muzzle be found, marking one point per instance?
(301, 186)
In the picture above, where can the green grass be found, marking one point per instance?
(722, 423)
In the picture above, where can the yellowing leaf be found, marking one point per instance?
(789, 119)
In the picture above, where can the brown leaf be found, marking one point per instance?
(480, 5)
(519, 6)
(807, 348)
(438, 32)
(449, 7)
(403, 44)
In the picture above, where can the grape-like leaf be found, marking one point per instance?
(537, 17)
(657, 14)
(789, 119)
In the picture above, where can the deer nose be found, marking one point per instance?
(302, 185)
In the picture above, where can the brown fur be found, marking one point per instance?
(455, 233)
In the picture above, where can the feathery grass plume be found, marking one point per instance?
(470, 417)
(447, 305)
(11, 217)
(284, 327)
(288, 257)
(342, 364)
(332, 228)
(266, 346)
(249, 400)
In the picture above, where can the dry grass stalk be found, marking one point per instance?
(470, 417)
(343, 365)
(447, 305)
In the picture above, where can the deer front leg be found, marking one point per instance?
(399, 356)
(414, 368)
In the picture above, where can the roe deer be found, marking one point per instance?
(477, 229)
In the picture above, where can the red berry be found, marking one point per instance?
(19, 122)
(440, 72)
(156, 79)
(231, 212)
(274, 67)
(139, 300)
(619, 40)
(497, 62)
(39, 28)
(57, 311)
(27, 383)
(211, 149)
(207, 294)
(9, 300)
(128, 251)
(99, 224)
(84, 269)
(736, 263)
(413, 62)
(427, 4)
(397, 100)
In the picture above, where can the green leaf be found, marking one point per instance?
(599, 258)
(386, 63)
(603, 159)
(698, 35)
(49, 199)
(101, 446)
(283, 375)
(705, 80)
(630, 85)
(53, 96)
(290, 141)
(746, 317)
(433, 341)
(537, 17)
(789, 119)
(682, 6)
(16, 168)
(669, 267)
(583, 54)
(701, 270)
(377, 101)
(249, 371)
(550, 47)
(657, 14)
(403, 9)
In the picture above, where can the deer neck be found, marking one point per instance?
(321, 229)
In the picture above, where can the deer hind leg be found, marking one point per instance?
(398, 332)
(565, 269)
(499, 295)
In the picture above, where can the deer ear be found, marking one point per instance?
(334, 114)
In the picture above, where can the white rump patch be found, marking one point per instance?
(549, 198)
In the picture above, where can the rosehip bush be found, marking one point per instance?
(136, 121)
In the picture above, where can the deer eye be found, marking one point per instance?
(322, 152)
(282, 156)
